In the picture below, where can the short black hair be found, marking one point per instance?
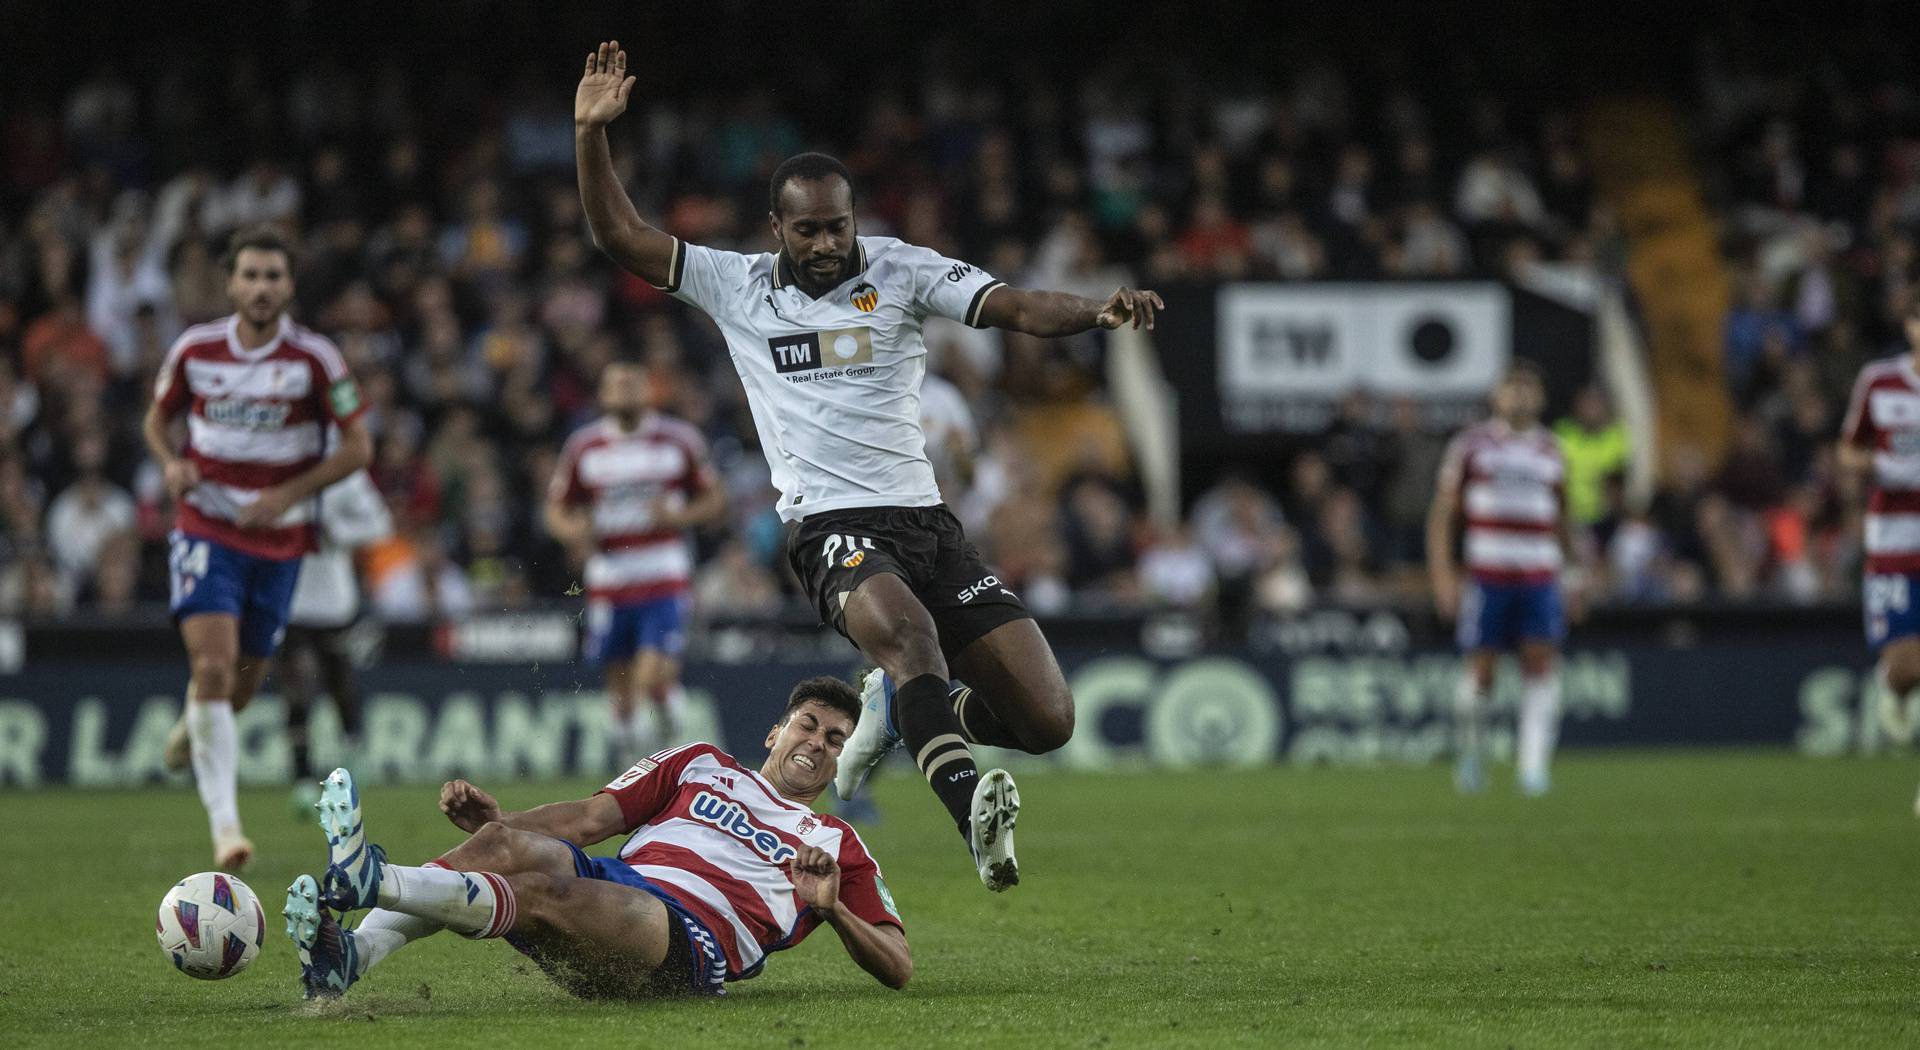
(806, 167)
(827, 691)
(258, 238)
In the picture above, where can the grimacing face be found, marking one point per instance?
(261, 285)
(803, 751)
(816, 230)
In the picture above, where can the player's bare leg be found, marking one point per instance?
(597, 940)
(658, 678)
(206, 736)
(1469, 718)
(1899, 675)
(1013, 693)
(623, 713)
(1539, 721)
(896, 632)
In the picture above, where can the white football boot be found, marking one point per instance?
(996, 805)
(872, 737)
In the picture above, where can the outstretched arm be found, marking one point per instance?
(880, 950)
(1442, 516)
(583, 822)
(1049, 314)
(617, 228)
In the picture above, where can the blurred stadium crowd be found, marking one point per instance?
(443, 249)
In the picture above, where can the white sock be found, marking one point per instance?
(216, 763)
(1539, 723)
(382, 933)
(1469, 710)
(670, 713)
(637, 733)
(470, 903)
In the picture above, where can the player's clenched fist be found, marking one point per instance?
(467, 806)
(604, 87)
(816, 878)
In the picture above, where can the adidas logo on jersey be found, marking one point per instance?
(729, 817)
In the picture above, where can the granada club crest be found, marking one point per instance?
(866, 297)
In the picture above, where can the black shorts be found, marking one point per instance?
(834, 552)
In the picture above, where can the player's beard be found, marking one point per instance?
(812, 283)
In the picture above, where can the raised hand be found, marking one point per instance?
(1129, 304)
(604, 87)
(468, 807)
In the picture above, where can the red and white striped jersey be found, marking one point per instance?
(717, 836)
(1512, 491)
(255, 419)
(1884, 418)
(620, 476)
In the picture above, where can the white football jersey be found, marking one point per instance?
(834, 382)
(352, 515)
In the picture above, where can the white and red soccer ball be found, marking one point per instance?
(211, 925)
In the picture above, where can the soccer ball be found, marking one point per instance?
(211, 925)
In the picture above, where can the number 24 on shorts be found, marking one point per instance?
(188, 560)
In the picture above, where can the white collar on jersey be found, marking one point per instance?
(781, 278)
(244, 354)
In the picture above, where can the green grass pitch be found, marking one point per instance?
(1656, 899)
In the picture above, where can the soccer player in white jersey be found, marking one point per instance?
(273, 417)
(326, 602)
(628, 487)
(1506, 479)
(723, 865)
(1880, 440)
(825, 333)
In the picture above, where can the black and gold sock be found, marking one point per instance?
(932, 733)
(978, 723)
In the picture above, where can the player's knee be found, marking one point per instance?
(212, 677)
(1052, 726)
(492, 845)
(1903, 669)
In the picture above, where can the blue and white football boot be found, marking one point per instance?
(329, 960)
(872, 737)
(352, 880)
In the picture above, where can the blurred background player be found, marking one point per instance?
(326, 602)
(1881, 441)
(826, 335)
(259, 393)
(626, 489)
(1505, 479)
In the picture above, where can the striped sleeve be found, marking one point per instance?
(649, 784)
(343, 401)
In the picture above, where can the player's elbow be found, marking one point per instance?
(897, 975)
